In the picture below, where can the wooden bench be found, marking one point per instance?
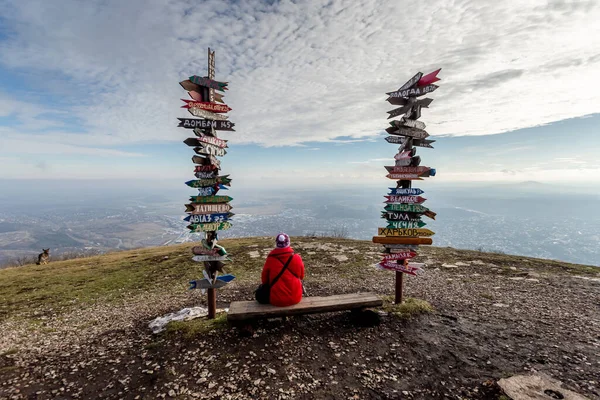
(247, 311)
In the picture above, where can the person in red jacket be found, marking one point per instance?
(288, 289)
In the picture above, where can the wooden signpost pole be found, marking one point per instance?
(212, 292)
(208, 212)
(403, 233)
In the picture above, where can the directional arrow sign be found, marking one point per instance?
(195, 93)
(405, 154)
(204, 105)
(413, 208)
(209, 83)
(210, 139)
(400, 216)
(412, 81)
(210, 199)
(202, 258)
(217, 250)
(207, 208)
(405, 162)
(423, 143)
(410, 232)
(407, 269)
(206, 174)
(215, 226)
(403, 176)
(403, 255)
(403, 122)
(192, 123)
(209, 149)
(405, 224)
(413, 92)
(208, 191)
(405, 199)
(412, 132)
(410, 103)
(408, 170)
(190, 86)
(206, 284)
(397, 240)
(399, 111)
(207, 218)
(206, 160)
(207, 167)
(224, 180)
(201, 113)
(405, 191)
(429, 78)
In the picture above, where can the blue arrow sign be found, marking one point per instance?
(405, 192)
(226, 278)
(207, 218)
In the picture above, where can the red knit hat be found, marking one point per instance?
(282, 240)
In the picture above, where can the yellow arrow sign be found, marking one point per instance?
(407, 232)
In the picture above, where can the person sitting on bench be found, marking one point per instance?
(288, 289)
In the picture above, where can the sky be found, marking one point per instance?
(89, 90)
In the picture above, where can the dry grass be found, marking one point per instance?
(192, 328)
(409, 308)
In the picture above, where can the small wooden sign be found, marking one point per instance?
(413, 92)
(405, 224)
(207, 167)
(209, 83)
(215, 226)
(411, 269)
(208, 191)
(206, 284)
(404, 176)
(404, 154)
(206, 160)
(206, 174)
(199, 112)
(204, 105)
(412, 132)
(405, 191)
(412, 81)
(406, 162)
(408, 170)
(210, 139)
(408, 232)
(211, 199)
(399, 216)
(205, 257)
(196, 183)
(397, 240)
(209, 149)
(429, 78)
(402, 255)
(191, 123)
(409, 123)
(207, 208)
(208, 218)
(404, 199)
(415, 208)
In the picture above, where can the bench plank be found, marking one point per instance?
(245, 310)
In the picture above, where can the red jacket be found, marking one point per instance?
(288, 288)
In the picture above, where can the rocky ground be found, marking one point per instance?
(494, 316)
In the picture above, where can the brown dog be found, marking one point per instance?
(43, 257)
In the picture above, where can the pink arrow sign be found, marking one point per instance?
(407, 269)
(212, 107)
(399, 256)
(429, 78)
(405, 154)
(405, 199)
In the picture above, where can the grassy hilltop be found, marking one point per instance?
(79, 327)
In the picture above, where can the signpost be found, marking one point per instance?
(404, 231)
(208, 213)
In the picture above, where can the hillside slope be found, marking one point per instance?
(78, 328)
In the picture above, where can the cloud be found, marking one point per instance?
(315, 71)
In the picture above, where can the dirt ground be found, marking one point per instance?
(495, 316)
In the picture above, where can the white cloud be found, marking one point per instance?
(303, 72)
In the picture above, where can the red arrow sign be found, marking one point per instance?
(429, 78)
(405, 199)
(204, 105)
(407, 269)
(408, 170)
(399, 256)
(404, 177)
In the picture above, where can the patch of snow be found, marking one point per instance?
(158, 324)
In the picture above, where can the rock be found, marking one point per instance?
(449, 266)
(500, 305)
(536, 386)
(340, 257)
